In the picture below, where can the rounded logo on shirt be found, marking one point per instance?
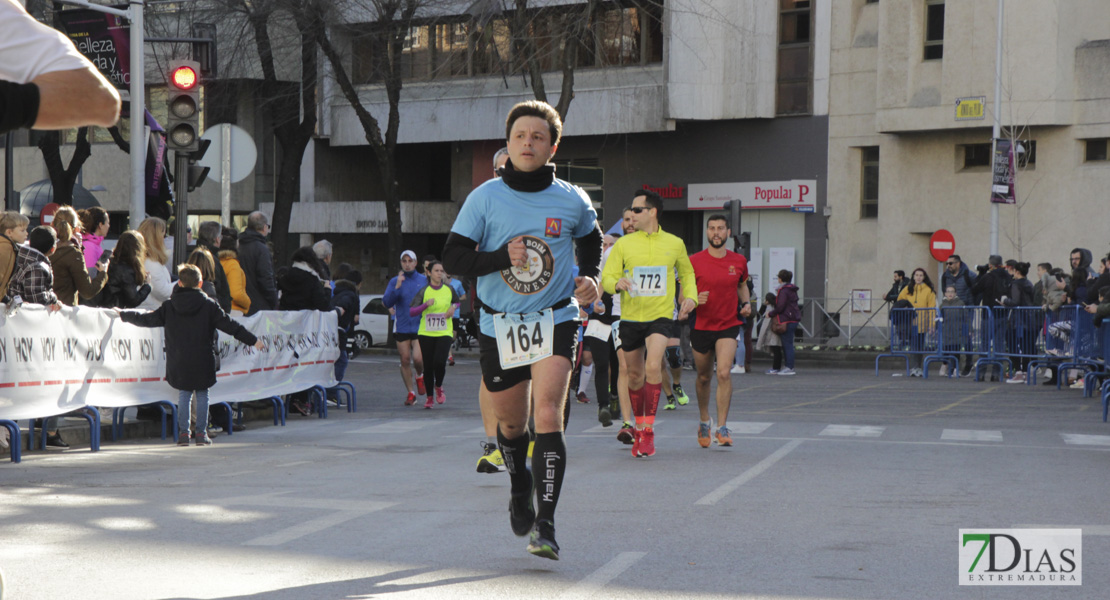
(535, 275)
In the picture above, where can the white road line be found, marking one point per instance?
(588, 587)
(306, 528)
(1088, 530)
(1077, 439)
(730, 486)
(235, 474)
(748, 427)
(970, 435)
(294, 463)
(853, 431)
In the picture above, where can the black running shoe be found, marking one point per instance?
(542, 543)
(521, 514)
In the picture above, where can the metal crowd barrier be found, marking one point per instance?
(1028, 337)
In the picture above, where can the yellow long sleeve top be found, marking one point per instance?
(651, 261)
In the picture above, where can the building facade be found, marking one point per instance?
(911, 109)
(673, 96)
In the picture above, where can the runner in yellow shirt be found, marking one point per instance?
(642, 267)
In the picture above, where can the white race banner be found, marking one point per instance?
(56, 362)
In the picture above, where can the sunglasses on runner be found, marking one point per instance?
(638, 209)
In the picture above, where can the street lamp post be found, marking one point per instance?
(997, 124)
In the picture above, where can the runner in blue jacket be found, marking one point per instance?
(399, 293)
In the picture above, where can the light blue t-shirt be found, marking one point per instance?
(550, 221)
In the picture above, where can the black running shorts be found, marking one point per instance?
(633, 334)
(498, 379)
(704, 342)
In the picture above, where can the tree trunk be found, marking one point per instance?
(62, 179)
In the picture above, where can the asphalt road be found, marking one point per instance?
(840, 485)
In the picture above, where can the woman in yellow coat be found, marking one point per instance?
(236, 279)
(921, 294)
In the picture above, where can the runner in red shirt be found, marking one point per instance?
(721, 277)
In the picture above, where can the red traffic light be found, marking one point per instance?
(184, 78)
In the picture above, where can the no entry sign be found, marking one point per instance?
(942, 244)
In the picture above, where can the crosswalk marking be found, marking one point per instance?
(853, 431)
(970, 435)
(1077, 439)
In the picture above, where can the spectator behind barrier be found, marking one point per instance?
(33, 279)
(71, 279)
(346, 303)
(202, 259)
(13, 228)
(94, 225)
(1102, 309)
(155, 261)
(900, 282)
(1102, 281)
(302, 287)
(236, 280)
(127, 285)
(257, 264)
(208, 237)
(323, 250)
(957, 275)
(921, 295)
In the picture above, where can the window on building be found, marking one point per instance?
(1095, 150)
(1026, 154)
(794, 91)
(976, 155)
(869, 183)
(934, 29)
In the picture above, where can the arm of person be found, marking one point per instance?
(99, 105)
(86, 287)
(229, 326)
(614, 269)
(133, 294)
(154, 318)
(418, 305)
(745, 295)
(461, 257)
(904, 294)
(392, 294)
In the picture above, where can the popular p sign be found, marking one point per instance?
(1021, 557)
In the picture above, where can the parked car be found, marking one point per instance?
(373, 324)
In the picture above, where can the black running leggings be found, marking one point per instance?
(600, 351)
(435, 350)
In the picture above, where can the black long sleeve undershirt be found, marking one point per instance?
(589, 253)
(461, 258)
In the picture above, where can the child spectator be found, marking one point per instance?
(94, 226)
(955, 330)
(13, 231)
(33, 279)
(190, 319)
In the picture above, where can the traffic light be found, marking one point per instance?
(183, 129)
(732, 210)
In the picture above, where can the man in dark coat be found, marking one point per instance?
(191, 319)
(258, 265)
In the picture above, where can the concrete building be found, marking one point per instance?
(911, 105)
(704, 100)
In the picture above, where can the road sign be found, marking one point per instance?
(241, 153)
(942, 244)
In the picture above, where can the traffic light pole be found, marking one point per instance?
(138, 119)
(180, 206)
(137, 89)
